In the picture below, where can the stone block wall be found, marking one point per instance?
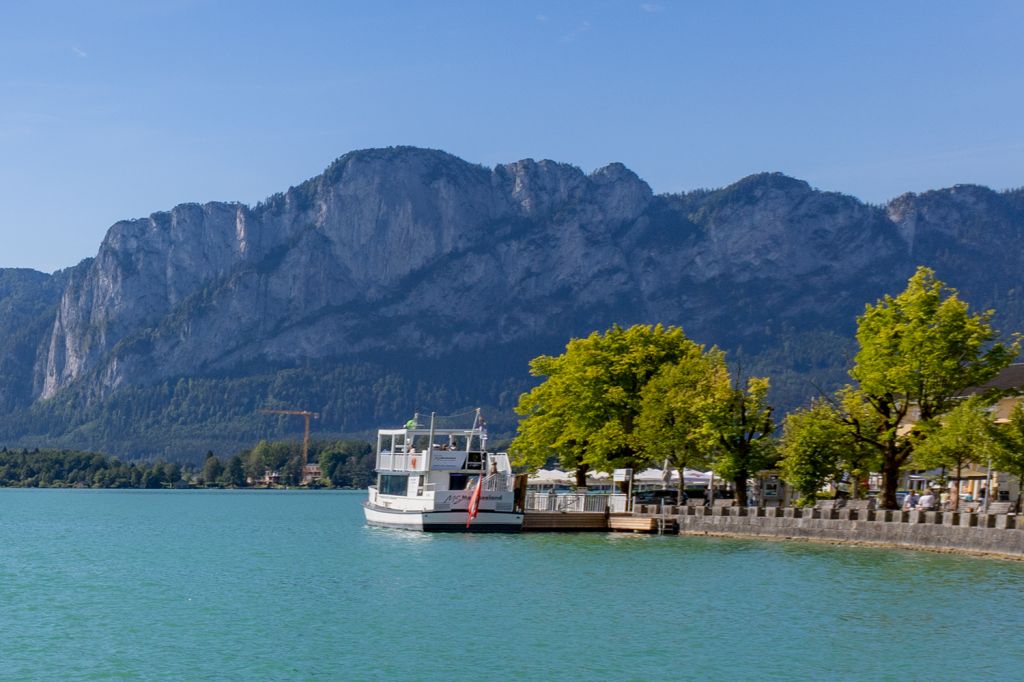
(947, 531)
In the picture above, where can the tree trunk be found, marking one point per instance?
(890, 481)
(581, 475)
(681, 489)
(956, 489)
(740, 483)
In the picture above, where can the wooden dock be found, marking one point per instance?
(573, 522)
(564, 522)
(642, 524)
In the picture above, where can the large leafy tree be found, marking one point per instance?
(675, 407)
(234, 472)
(212, 469)
(740, 426)
(585, 411)
(817, 446)
(346, 463)
(1009, 457)
(966, 434)
(917, 352)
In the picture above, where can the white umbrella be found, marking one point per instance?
(694, 476)
(648, 476)
(550, 477)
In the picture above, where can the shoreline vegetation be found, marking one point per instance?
(343, 464)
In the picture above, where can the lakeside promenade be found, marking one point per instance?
(996, 533)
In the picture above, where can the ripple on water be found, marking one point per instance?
(242, 585)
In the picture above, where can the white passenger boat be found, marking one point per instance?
(442, 479)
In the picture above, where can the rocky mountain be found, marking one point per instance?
(405, 278)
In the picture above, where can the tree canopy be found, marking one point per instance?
(1009, 456)
(817, 447)
(675, 408)
(740, 425)
(917, 352)
(585, 411)
(961, 437)
(638, 396)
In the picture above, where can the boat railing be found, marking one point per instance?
(569, 502)
(499, 482)
(402, 461)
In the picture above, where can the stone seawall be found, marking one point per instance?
(938, 531)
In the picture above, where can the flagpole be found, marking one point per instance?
(474, 499)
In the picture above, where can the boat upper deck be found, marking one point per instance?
(419, 450)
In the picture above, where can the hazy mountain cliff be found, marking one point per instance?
(407, 278)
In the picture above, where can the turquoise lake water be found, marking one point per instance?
(246, 585)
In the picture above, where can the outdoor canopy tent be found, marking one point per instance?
(553, 477)
(658, 476)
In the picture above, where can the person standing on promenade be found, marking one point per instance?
(927, 501)
(911, 500)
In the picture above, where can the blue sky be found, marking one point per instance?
(112, 110)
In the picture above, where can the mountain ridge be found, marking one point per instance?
(406, 257)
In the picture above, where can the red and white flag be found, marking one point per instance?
(474, 500)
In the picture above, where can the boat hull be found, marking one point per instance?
(443, 521)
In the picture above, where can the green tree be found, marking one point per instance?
(965, 434)
(331, 462)
(212, 469)
(172, 473)
(254, 465)
(291, 472)
(346, 463)
(154, 476)
(674, 409)
(917, 352)
(1009, 457)
(740, 425)
(817, 446)
(234, 472)
(585, 411)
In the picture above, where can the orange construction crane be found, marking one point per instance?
(305, 439)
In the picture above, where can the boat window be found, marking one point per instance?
(475, 460)
(393, 484)
(457, 481)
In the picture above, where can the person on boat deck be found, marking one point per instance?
(494, 467)
(451, 442)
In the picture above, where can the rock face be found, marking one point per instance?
(438, 279)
